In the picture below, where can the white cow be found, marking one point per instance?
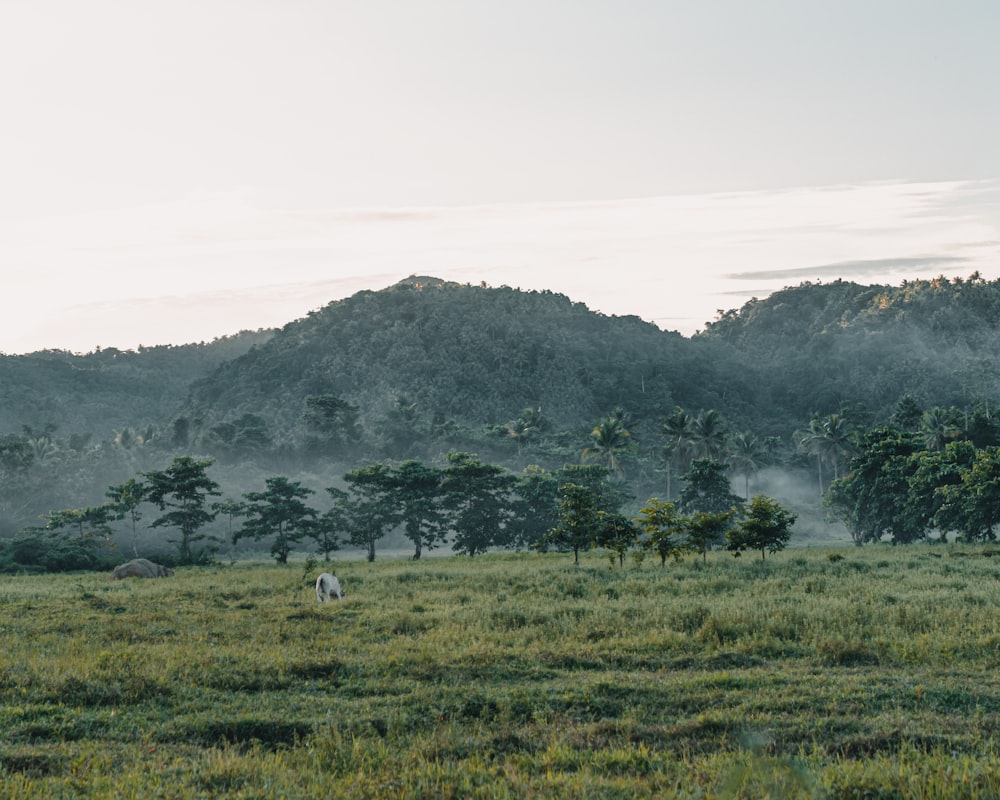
(328, 587)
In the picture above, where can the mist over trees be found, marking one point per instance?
(827, 397)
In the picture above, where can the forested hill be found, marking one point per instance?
(820, 347)
(471, 354)
(108, 389)
(479, 356)
(426, 367)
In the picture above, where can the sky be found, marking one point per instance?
(173, 172)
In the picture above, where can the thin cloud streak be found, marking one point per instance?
(845, 269)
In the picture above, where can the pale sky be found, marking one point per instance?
(176, 171)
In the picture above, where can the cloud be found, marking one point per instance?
(859, 268)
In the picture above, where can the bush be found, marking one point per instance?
(35, 552)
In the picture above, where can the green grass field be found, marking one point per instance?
(869, 673)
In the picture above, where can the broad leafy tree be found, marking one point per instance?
(278, 513)
(536, 507)
(616, 534)
(972, 507)
(184, 488)
(907, 415)
(400, 428)
(764, 526)
(416, 490)
(611, 493)
(872, 500)
(90, 523)
(930, 504)
(579, 524)
(707, 489)
(368, 509)
(332, 423)
(664, 529)
(478, 499)
(245, 437)
(706, 529)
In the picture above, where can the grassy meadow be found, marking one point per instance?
(856, 673)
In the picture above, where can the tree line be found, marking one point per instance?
(468, 505)
(922, 475)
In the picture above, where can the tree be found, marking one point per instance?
(477, 498)
(678, 430)
(708, 436)
(579, 522)
(972, 507)
(907, 415)
(610, 439)
(415, 490)
(929, 503)
(400, 428)
(245, 436)
(42, 441)
(827, 439)
(764, 526)
(938, 428)
(872, 499)
(330, 523)
(747, 457)
(280, 512)
(232, 509)
(611, 493)
(982, 429)
(707, 489)
(88, 523)
(706, 529)
(16, 462)
(536, 506)
(125, 501)
(617, 535)
(664, 528)
(368, 508)
(528, 426)
(69, 540)
(332, 423)
(184, 487)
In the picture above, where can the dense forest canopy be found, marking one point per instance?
(425, 368)
(109, 388)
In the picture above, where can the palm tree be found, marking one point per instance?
(937, 429)
(520, 430)
(838, 438)
(610, 438)
(708, 436)
(827, 439)
(747, 457)
(42, 442)
(678, 431)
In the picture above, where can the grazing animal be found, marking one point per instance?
(328, 587)
(140, 568)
